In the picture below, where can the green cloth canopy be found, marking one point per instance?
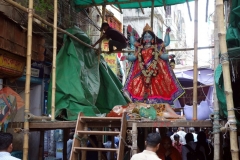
(126, 4)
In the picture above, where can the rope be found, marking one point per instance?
(216, 127)
(224, 57)
(80, 139)
(125, 143)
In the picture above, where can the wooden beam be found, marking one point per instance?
(171, 123)
(189, 13)
(141, 7)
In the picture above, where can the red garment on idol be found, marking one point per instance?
(163, 88)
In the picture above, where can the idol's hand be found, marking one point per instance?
(171, 56)
(168, 29)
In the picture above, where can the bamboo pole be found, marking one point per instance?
(195, 62)
(27, 83)
(152, 13)
(216, 125)
(134, 138)
(189, 49)
(189, 13)
(141, 7)
(227, 80)
(15, 4)
(54, 60)
(206, 11)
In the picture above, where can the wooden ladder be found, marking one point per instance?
(79, 146)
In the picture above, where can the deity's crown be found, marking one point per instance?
(147, 28)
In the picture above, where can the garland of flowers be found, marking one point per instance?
(150, 71)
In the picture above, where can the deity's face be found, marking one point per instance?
(147, 37)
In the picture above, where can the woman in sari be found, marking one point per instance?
(166, 151)
(151, 79)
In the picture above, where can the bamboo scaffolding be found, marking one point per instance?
(206, 10)
(15, 4)
(152, 13)
(39, 118)
(100, 45)
(195, 62)
(227, 80)
(100, 14)
(164, 5)
(117, 9)
(141, 7)
(189, 13)
(216, 125)
(54, 60)
(27, 83)
(189, 49)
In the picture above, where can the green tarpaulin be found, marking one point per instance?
(125, 4)
(233, 31)
(234, 54)
(83, 83)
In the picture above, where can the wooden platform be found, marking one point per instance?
(49, 125)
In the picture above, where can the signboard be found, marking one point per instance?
(36, 73)
(11, 65)
(111, 59)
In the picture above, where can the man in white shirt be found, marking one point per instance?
(152, 144)
(192, 130)
(181, 139)
(182, 134)
(6, 146)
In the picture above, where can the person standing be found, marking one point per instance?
(167, 152)
(108, 144)
(191, 145)
(192, 130)
(6, 146)
(69, 145)
(117, 39)
(152, 145)
(177, 143)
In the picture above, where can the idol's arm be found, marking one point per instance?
(131, 57)
(164, 56)
(166, 39)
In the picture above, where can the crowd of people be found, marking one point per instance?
(177, 144)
